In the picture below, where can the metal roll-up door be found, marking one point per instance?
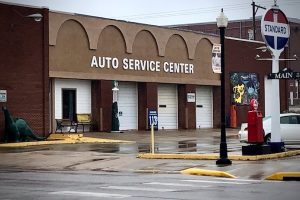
(167, 106)
(128, 105)
(204, 107)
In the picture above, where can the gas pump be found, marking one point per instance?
(255, 125)
(255, 132)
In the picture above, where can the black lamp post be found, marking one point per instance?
(222, 22)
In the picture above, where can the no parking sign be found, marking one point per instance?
(275, 29)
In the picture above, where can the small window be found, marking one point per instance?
(293, 120)
(298, 119)
(289, 120)
(284, 120)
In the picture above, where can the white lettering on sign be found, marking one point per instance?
(276, 29)
(178, 68)
(105, 62)
(284, 75)
(141, 65)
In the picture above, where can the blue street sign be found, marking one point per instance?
(153, 118)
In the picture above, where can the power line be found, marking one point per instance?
(198, 11)
(183, 12)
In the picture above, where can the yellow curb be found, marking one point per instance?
(204, 172)
(99, 140)
(216, 156)
(280, 176)
(25, 144)
(67, 140)
(55, 136)
(265, 156)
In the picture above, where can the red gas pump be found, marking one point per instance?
(255, 125)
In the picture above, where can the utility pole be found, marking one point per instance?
(254, 11)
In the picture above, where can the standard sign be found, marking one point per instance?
(275, 29)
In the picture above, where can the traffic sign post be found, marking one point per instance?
(275, 32)
(152, 119)
(153, 123)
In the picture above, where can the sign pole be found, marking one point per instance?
(152, 139)
(275, 32)
(275, 111)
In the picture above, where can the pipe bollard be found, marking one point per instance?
(152, 139)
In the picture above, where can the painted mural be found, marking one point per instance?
(245, 86)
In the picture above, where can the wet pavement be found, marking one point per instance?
(121, 157)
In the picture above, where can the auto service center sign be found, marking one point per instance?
(275, 29)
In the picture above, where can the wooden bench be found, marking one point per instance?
(61, 123)
(84, 120)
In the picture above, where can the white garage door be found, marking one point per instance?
(128, 105)
(204, 107)
(167, 106)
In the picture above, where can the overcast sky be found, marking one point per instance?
(164, 12)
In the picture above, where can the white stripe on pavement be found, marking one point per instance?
(138, 188)
(90, 194)
(173, 184)
(221, 182)
(241, 180)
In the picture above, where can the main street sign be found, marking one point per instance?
(275, 29)
(285, 74)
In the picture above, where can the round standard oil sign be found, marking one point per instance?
(275, 29)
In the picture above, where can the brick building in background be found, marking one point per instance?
(243, 29)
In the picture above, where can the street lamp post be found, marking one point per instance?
(222, 22)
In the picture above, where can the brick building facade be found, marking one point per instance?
(55, 68)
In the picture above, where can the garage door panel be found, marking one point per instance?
(204, 112)
(167, 115)
(127, 105)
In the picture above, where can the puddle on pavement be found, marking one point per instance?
(23, 149)
(187, 145)
(180, 146)
(259, 175)
(192, 145)
(74, 165)
(109, 148)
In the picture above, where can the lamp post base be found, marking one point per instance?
(223, 162)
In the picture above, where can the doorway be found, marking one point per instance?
(69, 104)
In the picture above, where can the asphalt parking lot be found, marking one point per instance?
(120, 152)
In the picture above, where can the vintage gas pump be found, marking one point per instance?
(255, 125)
(255, 132)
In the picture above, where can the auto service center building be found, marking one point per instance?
(66, 64)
